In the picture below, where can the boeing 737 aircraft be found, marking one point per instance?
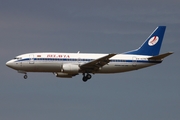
(67, 65)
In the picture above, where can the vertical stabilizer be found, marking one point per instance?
(152, 45)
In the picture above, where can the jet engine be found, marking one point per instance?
(70, 68)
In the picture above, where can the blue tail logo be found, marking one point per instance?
(152, 45)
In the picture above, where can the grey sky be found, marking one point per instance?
(89, 26)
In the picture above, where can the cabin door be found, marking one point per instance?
(134, 61)
(31, 59)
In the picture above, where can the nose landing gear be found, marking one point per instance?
(23, 72)
(86, 77)
(25, 76)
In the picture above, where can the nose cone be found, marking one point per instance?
(10, 64)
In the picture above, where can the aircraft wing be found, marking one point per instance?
(96, 64)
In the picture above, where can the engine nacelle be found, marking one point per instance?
(63, 75)
(70, 68)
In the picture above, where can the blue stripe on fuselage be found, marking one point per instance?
(83, 60)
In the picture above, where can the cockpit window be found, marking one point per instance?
(17, 58)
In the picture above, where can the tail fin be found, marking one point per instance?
(152, 45)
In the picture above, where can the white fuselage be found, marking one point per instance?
(53, 62)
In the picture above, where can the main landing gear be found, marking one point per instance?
(86, 77)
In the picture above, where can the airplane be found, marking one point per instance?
(68, 65)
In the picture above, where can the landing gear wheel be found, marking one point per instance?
(86, 77)
(25, 76)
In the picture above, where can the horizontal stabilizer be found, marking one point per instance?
(161, 56)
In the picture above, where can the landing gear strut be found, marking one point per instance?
(23, 72)
(25, 76)
(86, 77)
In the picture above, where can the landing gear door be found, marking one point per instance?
(31, 59)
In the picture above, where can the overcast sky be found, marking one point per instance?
(99, 26)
